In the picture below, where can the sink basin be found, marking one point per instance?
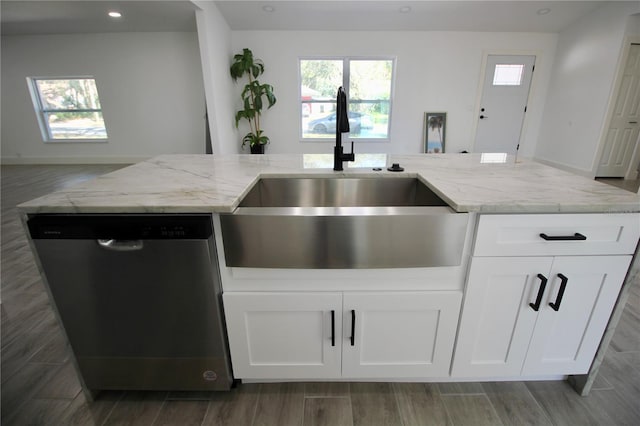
(342, 223)
(340, 192)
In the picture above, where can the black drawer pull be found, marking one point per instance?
(543, 284)
(333, 328)
(575, 237)
(353, 327)
(563, 284)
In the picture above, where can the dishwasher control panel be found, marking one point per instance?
(122, 227)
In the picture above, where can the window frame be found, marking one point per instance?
(346, 69)
(42, 112)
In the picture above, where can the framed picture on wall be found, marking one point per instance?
(435, 124)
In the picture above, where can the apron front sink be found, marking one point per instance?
(342, 223)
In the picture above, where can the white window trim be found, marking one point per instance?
(40, 111)
(345, 85)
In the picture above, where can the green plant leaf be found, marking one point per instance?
(236, 70)
(244, 114)
(247, 103)
(248, 139)
(268, 92)
(257, 69)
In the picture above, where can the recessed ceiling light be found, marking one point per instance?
(405, 9)
(268, 8)
(115, 14)
(543, 11)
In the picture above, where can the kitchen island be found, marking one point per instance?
(502, 197)
(205, 183)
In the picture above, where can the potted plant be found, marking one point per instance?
(252, 98)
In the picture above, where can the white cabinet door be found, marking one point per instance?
(395, 335)
(565, 341)
(284, 335)
(497, 319)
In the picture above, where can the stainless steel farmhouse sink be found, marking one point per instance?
(342, 223)
(340, 192)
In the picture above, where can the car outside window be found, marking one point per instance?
(68, 109)
(368, 83)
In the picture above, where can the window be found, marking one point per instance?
(368, 86)
(68, 109)
(508, 75)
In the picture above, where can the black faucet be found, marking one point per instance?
(342, 126)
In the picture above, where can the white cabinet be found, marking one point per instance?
(497, 321)
(354, 328)
(341, 335)
(539, 312)
(284, 335)
(408, 334)
(501, 332)
(565, 340)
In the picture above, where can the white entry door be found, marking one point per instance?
(622, 135)
(503, 103)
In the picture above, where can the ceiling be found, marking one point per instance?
(87, 16)
(90, 16)
(398, 15)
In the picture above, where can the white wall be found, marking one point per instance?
(633, 24)
(585, 66)
(214, 37)
(435, 71)
(150, 87)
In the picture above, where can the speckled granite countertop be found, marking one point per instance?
(205, 183)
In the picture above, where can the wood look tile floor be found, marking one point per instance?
(40, 387)
(631, 185)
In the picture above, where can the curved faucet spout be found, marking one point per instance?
(342, 126)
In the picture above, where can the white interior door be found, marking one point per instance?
(503, 103)
(622, 135)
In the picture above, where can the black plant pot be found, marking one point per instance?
(257, 149)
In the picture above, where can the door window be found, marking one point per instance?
(508, 74)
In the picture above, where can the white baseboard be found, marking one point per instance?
(586, 173)
(70, 160)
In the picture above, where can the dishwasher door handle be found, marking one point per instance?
(121, 245)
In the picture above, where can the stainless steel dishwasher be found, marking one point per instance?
(139, 298)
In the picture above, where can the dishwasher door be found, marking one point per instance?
(139, 299)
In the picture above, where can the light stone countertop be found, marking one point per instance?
(206, 183)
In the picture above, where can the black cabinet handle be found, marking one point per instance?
(563, 284)
(333, 328)
(575, 237)
(353, 327)
(543, 284)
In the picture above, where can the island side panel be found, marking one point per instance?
(583, 383)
